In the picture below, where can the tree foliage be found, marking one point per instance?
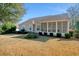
(11, 11)
(73, 12)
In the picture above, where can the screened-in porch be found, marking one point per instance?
(54, 27)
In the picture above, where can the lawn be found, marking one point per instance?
(15, 45)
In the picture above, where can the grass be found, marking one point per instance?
(12, 45)
(40, 38)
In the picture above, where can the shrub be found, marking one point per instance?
(7, 28)
(31, 36)
(77, 35)
(51, 34)
(58, 34)
(40, 33)
(71, 33)
(22, 31)
(1, 31)
(45, 33)
(76, 31)
(11, 30)
(67, 35)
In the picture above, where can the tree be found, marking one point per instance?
(73, 13)
(11, 11)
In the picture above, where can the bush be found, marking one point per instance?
(71, 33)
(77, 35)
(67, 35)
(45, 33)
(11, 30)
(51, 34)
(7, 28)
(40, 33)
(31, 36)
(76, 31)
(1, 31)
(58, 34)
(22, 31)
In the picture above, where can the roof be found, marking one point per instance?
(53, 17)
(50, 17)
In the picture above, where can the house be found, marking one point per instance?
(50, 24)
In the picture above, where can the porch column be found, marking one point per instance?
(62, 26)
(40, 26)
(36, 28)
(47, 27)
(68, 27)
(56, 27)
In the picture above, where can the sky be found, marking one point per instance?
(33, 10)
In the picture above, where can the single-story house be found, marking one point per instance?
(50, 24)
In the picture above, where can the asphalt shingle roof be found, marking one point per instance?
(63, 16)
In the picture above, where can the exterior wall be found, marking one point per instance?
(27, 26)
(61, 26)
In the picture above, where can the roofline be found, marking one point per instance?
(42, 17)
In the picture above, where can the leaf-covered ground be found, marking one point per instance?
(14, 45)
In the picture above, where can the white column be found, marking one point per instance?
(40, 26)
(47, 27)
(68, 26)
(36, 28)
(62, 26)
(56, 27)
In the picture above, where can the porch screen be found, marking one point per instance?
(59, 27)
(65, 27)
(52, 27)
(44, 27)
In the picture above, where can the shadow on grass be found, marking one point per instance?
(40, 38)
